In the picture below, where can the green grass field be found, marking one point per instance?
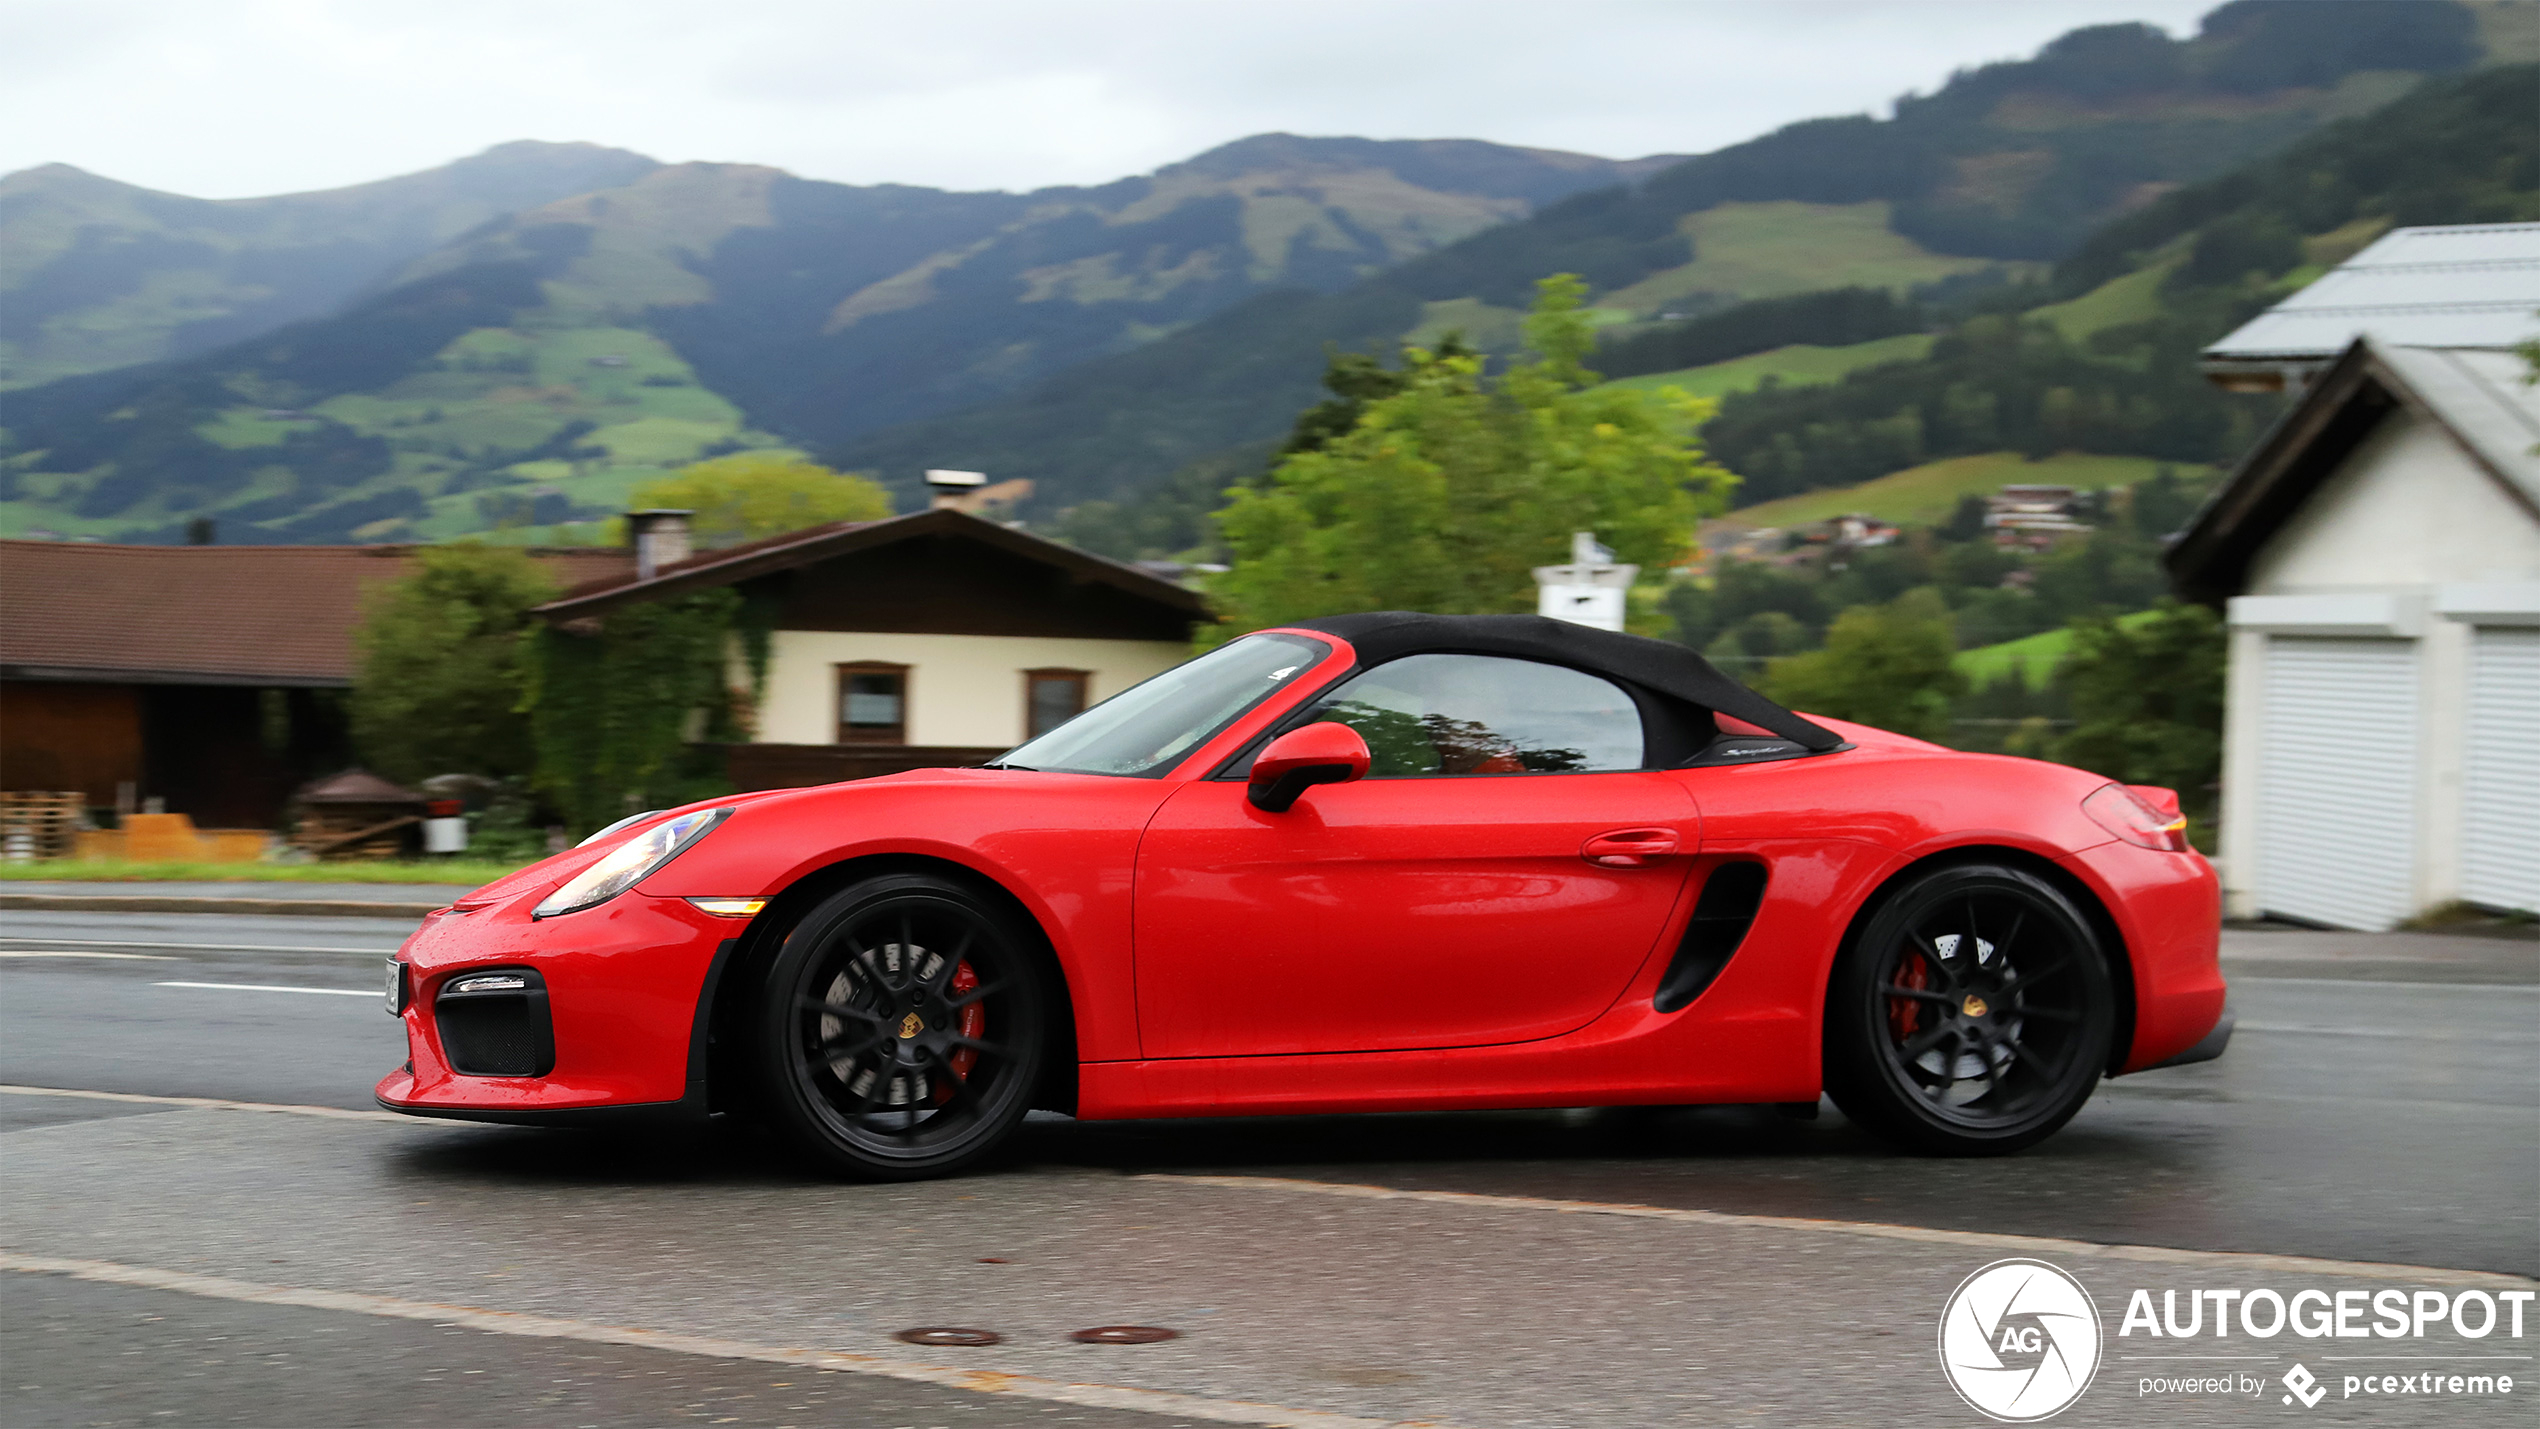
(490, 392)
(471, 873)
(1926, 494)
(1795, 365)
(2032, 657)
(1764, 250)
(2132, 298)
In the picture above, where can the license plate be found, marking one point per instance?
(396, 988)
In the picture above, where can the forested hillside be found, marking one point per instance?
(2119, 374)
(96, 274)
(539, 366)
(535, 367)
(1976, 186)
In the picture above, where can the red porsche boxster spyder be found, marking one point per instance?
(1370, 863)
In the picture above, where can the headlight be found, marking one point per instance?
(630, 862)
(599, 834)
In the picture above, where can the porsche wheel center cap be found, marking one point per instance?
(910, 1025)
(1973, 1007)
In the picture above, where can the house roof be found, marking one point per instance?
(2470, 286)
(356, 786)
(2479, 396)
(796, 549)
(205, 615)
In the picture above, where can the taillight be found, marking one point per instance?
(2131, 817)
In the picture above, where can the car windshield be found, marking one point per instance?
(1147, 729)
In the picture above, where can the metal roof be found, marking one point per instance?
(2470, 286)
(793, 549)
(2486, 399)
(2482, 398)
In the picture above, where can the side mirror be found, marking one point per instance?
(1326, 753)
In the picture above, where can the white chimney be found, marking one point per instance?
(1588, 591)
(951, 487)
(660, 538)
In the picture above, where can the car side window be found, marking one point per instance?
(1433, 715)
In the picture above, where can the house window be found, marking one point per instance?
(1051, 698)
(872, 704)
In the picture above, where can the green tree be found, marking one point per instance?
(2148, 703)
(1885, 665)
(1446, 492)
(2161, 505)
(628, 712)
(1164, 521)
(1355, 380)
(753, 494)
(439, 673)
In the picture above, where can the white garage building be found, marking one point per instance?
(2378, 555)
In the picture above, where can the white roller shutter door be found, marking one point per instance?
(2500, 784)
(2337, 781)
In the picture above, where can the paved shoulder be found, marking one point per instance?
(218, 1362)
(341, 900)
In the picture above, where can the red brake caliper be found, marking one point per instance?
(973, 1021)
(1903, 1013)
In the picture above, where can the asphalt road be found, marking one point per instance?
(2379, 1106)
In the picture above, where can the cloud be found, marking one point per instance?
(265, 96)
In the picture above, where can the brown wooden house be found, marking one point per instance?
(209, 677)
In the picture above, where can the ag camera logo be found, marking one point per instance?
(2019, 1341)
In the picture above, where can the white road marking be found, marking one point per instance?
(53, 953)
(1988, 1240)
(380, 952)
(336, 1113)
(269, 987)
(2357, 984)
(550, 1327)
(2300, 1029)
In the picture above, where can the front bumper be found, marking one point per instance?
(626, 985)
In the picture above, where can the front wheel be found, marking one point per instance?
(901, 1028)
(1973, 1016)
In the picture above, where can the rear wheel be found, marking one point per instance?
(902, 1027)
(1973, 1016)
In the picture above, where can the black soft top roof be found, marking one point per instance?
(1657, 665)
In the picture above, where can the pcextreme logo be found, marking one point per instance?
(2019, 1340)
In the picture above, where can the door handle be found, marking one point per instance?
(1628, 848)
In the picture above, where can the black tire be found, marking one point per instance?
(1973, 1016)
(901, 1028)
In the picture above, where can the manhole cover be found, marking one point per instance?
(1123, 1335)
(951, 1335)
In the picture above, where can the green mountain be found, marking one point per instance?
(540, 364)
(96, 274)
(534, 367)
(1983, 183)
(2103, 357)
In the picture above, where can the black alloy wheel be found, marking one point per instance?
(1973, 1016)
(902, 1029)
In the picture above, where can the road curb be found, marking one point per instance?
(173, 903)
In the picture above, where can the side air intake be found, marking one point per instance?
(1721, 917)
(494, 1023)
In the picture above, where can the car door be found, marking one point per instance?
(1458, 896)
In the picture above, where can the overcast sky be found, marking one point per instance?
(225, 98)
